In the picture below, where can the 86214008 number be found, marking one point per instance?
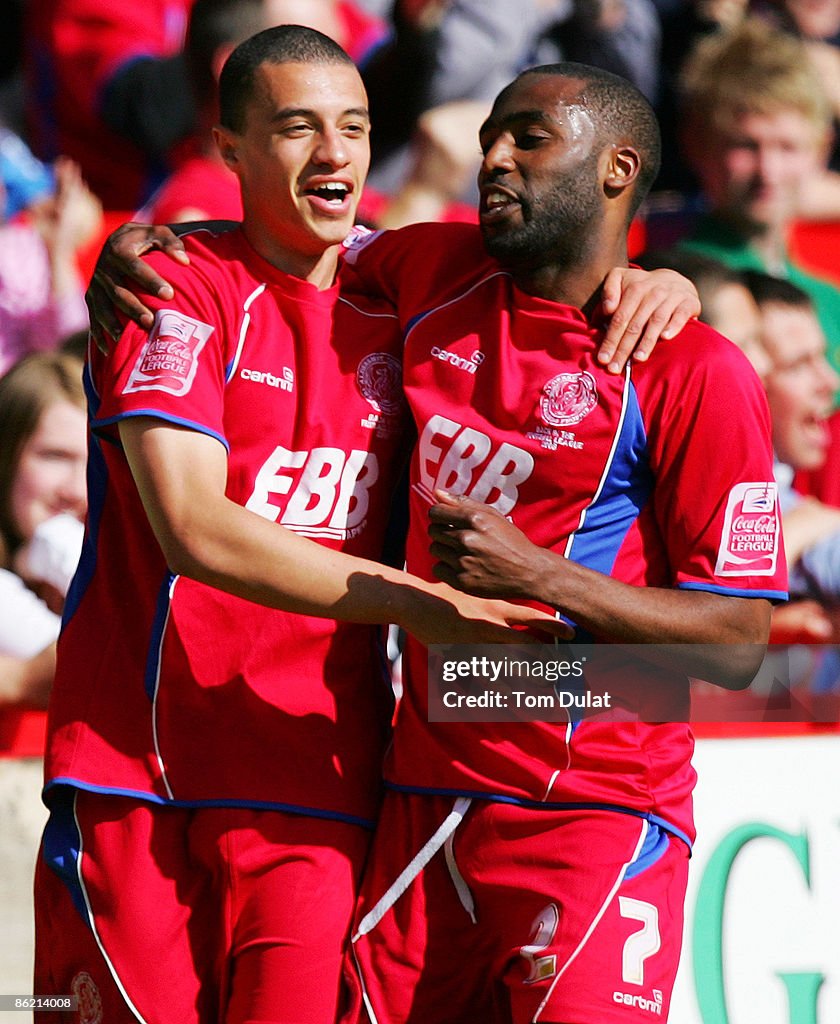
(22, 1002)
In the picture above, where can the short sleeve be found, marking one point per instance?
(176, 371)
(715, 497)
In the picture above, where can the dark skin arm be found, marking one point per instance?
(643, 306)
(481, 552)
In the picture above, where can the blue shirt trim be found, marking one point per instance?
(158, 415)
(625, 488)
(713, 588)
(153, 656)
(61, 850)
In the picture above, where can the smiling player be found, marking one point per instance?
(213, 762)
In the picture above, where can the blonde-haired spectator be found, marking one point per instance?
(756, 130)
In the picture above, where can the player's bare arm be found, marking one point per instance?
(644, 306)
(181, 476)
(481, 552)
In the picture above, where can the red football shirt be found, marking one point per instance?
(174, 691)
(661, 477)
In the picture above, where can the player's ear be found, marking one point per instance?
(623, 166)
(228, 144)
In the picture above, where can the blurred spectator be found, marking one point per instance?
(43, 496)
(684, 23)
(823, 482)
(801, 384)
(800, 387)
(443, 162)
(23, 177)
(41, 294)
(756, 131)
(42, 458)
(774, 324)
(43, 500)
(475, 47)
(817, 23)
(483, 44)
(97, 94)
(726, 301)
(202, 187)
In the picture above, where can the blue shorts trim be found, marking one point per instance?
(56, 785)
(540, 805)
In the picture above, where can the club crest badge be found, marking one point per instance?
(84, 988)
(567, 398)
(379, 378)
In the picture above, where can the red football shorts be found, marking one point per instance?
(166, 915)
(568, 917)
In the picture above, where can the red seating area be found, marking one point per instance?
(816, 245)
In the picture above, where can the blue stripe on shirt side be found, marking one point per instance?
(627, 484)
(153, 656)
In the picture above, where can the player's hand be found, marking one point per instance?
(121, 260)
(481, 552)
(643, 307)
(448, 616)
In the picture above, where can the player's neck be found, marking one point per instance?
(319, 269)
(578, 285)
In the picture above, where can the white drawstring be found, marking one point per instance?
(461, 887)
(418, 862)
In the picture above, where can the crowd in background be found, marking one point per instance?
(106, 113)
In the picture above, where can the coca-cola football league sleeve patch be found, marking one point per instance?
(168, 361)
(749, 544)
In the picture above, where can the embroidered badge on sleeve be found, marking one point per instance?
(169, 359)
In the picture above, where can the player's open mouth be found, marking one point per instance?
(496, 204)
(331, 196)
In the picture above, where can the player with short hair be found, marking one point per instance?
(530, 871)
(500, 473)
(213, 761)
